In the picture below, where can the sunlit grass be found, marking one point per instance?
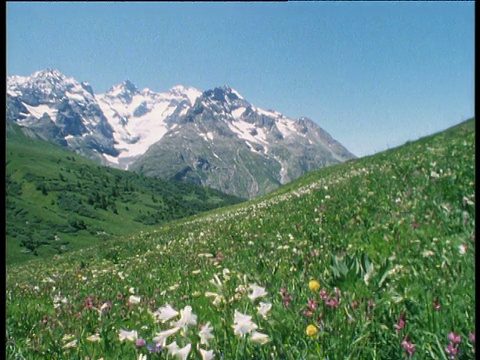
(370, 259)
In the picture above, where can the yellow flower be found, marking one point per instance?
(314, 285)
(312, 330)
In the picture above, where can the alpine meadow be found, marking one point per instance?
(372, 258)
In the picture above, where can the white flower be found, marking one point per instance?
(263, 309)
(70, 344)
(187, 318)
(205, 333)
(257, 292)
(166, 313)
(172, 348)
(134, 299)
(128, 335)
(183, 352)
(94, 338)
(462, 249)
(131, 290)
(427, 253)
(242, 324)
(206, 355)
(162, 336)
(259, 337)
(142, 357)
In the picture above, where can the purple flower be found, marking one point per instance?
(332, 302)
(141, 342)
(454, 338)
(451, 350)
(401, 322)
(471, 337)
(154, 348)
(312, 304)
(323, 294)
(408, 346)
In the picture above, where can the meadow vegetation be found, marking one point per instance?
(369, 259)
(58, 201)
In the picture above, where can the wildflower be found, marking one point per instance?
(311, 330)
(205, 333)
(314, 285)
(401, 323)
(157, 348)
(134, 299)
(436, 305)
(462, 249)
(263, 308)
(183, 352)
(187, 318)
(287, 298)
(259, 337)
(142, 357)
(128, 335)
(242, 324)
(206, 355)
(428, 253)
(454, 338)
(257, 292)
(162, 336)
(408, 346)
(312, 304)
(452, 350)
(172, 348)
(94, 338)
(141, 343)
(70, 344)
(332, 302)
(471, 337)
(166, 313)
(323, 294)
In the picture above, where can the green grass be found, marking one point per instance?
(390, 238)
(58, 201)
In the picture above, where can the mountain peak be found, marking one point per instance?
(126, 89)
(49, 73)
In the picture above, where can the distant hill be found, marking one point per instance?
(57, 200)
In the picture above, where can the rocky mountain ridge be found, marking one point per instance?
(214, 138)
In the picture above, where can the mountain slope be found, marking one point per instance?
(214, 138)
(389, 240)
(55, 197)
(229, 144)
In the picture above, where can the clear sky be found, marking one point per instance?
(372, 74)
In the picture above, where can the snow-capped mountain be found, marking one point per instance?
(60, 109)
(215, 138)
(227, 143)
(141, 118)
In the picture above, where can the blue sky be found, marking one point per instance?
(372, 74)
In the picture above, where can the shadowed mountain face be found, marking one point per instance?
(214, 138)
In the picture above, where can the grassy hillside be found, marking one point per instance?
(369, 259)
(58, 201)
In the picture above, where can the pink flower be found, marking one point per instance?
(332, 303)
(401, 323)
(408, 346)
(454, 338)
(471, 337)
(312, 304)
(323, 294)
(451, 350)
